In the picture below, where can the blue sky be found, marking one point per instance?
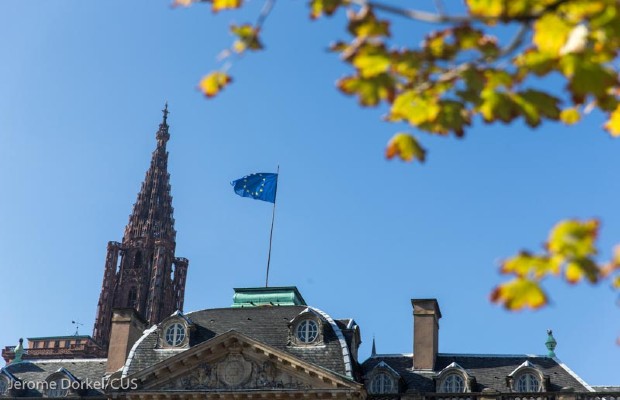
(81, 89)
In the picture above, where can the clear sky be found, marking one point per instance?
(81, 89)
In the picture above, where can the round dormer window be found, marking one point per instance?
(527, 382)
(453, 383)
(175, 334)
(307, 331)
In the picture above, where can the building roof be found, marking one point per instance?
(61, 337)
(268, 325)
(85, 370)
(489, 371)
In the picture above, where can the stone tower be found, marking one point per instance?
(142, 272)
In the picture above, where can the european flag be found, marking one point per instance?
(259, 186)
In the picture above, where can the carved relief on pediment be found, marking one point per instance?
(236, 372)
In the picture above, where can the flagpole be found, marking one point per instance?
(273, 216)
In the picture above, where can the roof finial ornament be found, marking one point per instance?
(166, 112)
(374, 348)
(550, 343)
(19, 351)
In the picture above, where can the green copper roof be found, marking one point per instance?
(267, 296)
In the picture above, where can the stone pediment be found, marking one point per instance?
(235, 362)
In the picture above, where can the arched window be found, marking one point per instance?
(175, 334)
(527, 382)
(132, 298)
(453, 383)
(382, 383)
(307, 331)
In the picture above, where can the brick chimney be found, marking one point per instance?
(426, 316)
(127, 327)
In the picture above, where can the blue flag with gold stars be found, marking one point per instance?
(259, 186)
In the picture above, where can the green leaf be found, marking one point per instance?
(534, 61)
(452, 117)
(535, 104)
(369, 90)
(497, 106)
(586, 77)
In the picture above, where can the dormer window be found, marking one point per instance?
(527, 382)
(58, 387)
(382, 383)
(454, 379)
(453, 383)
(175, 334)
(4, 386)
(528, 378)
(382, 379)
(307, 331)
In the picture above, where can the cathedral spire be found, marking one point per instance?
(143, 272)
(152, 213)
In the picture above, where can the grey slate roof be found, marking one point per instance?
(91, 370)
(489, 371)
(268, 325)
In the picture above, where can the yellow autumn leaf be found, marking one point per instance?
(581, 268)
(525, 264)
(573, 239)
(486, 8)
(247, 38)
(219, 5)
(613, 124)
(365, 24)
(518, 294)
(406, 147)
(369, 90)
(570, 116)
(211, 84)
(327, 7)
(371, 60)
(551, 33)
(414, 108)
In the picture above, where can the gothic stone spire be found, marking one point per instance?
(142, 272)
(152, 212)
